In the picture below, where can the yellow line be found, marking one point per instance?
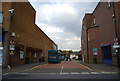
(27, 69)
(87, 67)
(37, 66)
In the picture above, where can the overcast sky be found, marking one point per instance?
(62, 21)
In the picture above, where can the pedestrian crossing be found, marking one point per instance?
(66, 73)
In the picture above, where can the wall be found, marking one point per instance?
(26, 32)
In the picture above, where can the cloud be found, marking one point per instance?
(62, 21)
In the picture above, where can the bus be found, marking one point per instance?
(54, 56)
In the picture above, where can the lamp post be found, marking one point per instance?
(117, 35)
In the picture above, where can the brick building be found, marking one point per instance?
(99, 30)
(24, 42)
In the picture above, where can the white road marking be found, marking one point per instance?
(95, 73)
(85, 73)
(5, 74)
(74, 73)
(61, 70)
(109, 72)
(64, 73)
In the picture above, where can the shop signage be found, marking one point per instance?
(21, 55)
(12, 47)
(95, 51)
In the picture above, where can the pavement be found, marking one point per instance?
(21, 68)
(100, 67)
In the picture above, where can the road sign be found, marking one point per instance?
(11, 53)
(116, 46)
(115, 39)
(12, 47)
(12, 42)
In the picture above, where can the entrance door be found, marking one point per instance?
(106, 55)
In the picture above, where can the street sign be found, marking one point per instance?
(12, 47)
(11, 53)
(12, 42)
(115, 39)
(116, 46)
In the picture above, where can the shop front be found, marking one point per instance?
(106, 54)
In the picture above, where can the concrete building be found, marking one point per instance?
(99, 32)
(24, 42)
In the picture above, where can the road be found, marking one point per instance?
(63, 70)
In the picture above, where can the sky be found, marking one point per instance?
(62, 21)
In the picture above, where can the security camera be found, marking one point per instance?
(11, 10)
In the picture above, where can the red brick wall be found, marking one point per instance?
(27, 32)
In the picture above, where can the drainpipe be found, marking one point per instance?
(87, 44)
(116, 33)
(94, 26)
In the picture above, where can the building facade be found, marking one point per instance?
(24, 42)
(101, 34)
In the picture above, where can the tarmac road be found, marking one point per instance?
(63, 70)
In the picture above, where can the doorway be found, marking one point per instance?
(106, 54)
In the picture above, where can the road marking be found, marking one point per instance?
(87, 67)
(36, 66)
(95, 73)
(109, 72)
(26, 69)
(61, 70)
(64, 73)
(5, 74)
(85, 73)
(74, 73)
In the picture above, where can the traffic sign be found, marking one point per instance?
(12, 42)
(11, 53)
(116, 46)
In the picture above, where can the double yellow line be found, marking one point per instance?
(27, 69)
(87, 67)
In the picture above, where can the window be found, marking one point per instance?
(109, 4)
(1, 17)
(94, 20)
(35, 55)
(88, 38)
